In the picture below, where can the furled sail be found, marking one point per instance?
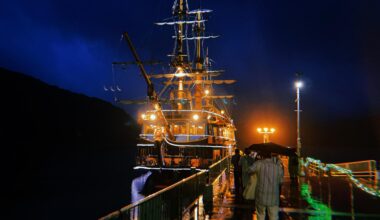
(208, 82)
(199, 38)
(199, 11)
(212, 73)
(180, 22)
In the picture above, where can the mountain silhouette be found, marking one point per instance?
(63, 155)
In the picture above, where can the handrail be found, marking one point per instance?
(329, 168)
(163, 190)
(118, 213)
(220, 161)
(355, 162)
(151, 200)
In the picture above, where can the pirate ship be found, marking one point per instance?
(186, 124)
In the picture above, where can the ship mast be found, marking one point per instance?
(198, 63)
(180, 11)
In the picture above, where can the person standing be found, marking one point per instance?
(249, 180)
(269, 177)
(245, 162)
(293, 169)
(158, 137)
(237, 172)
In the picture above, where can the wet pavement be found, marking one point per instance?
(312, 197)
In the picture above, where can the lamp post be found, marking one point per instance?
(266, 132)
(298, 85)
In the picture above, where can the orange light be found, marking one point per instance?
(179, 72)
(152, 117)
(195, 117)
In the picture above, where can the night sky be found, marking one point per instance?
(334, 44)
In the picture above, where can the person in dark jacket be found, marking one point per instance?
(293, 169)
(237, 172)
(269, 177)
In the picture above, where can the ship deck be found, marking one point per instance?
(310, 198)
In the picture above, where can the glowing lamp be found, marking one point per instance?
(179, 72)
(207, 91)
(272, 130)
(143, 116)
(266, 129)
(222, 112)
(152, 117)
(195, 117)
(298, 84)
(259, 130)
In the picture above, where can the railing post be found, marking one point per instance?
(208, 194)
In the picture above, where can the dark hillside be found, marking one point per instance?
(63, 155)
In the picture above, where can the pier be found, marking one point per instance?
(326, 191)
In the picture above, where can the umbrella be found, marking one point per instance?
(273, 148)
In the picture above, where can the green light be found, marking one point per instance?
(328, 167)
(324, 211)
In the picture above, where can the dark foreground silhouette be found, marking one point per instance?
(63, 155)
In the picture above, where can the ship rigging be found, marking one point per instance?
(187, 113)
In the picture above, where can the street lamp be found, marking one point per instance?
(265, 131)
(298, 84)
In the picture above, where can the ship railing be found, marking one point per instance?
(173, 201)
(188, 136)
(193, 111)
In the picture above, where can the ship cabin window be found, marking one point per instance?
(221, 132)
(197, 129)
(148, 129)
(230, 133)
(215, 131)
(179, 128)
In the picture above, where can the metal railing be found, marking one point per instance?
(217, 168)
(316, 167)
(358, 169)
(171, 202)
(361, 169)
